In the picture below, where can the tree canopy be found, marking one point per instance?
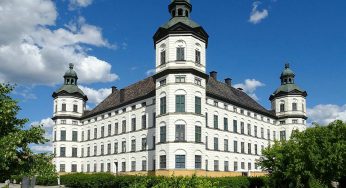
(317, 154)
(16, 157)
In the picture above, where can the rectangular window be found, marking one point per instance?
(226, 144)
(163, 133)
(225, 124)
(62, 168)
(235, 126)
(74, 152)
(216, 165)
(83, 136)
(268, 134)
(154, 119)
(89, 134)
(144, 165)
(74, 136)
(282, 122)
(242, 164)
(108, 167)
(63, 107)
(133, 124)
(133, 145)
(180, 161)
(226, 166)
(63, 135)
(102, 150)
(102, 132)
(144, 144)
(88, 152)
(88, 168)
(154, 142)
(180, 132)
(235, 146)
(123, 146)
(95, 167)
(180, 103)
(95, 150)
(62, 152)
(282, 107)
(180, 79)
(216, 144)
(256, 149)
(102, 167)
(295, 121)
(109, 148)
(116, 128)
(163, 82)
(282, 135)
(180, 54)
(163, 162)
(123, 166)
(109, 130)
(198, 81)
(235, 166)
(206, 165)
(116, 147)
(163, 107)
(198, 161)
(198, 56)
(206, 119)
(255, 130)
(206, 142)
(249, 148)
(144, 121)
(242, 147)
(163, 57)
(75, 108)
(198, 106)
(63, 121)
(133, 166)
(242, 128)
(249, 129)
(123, 129)
(249, 166)
(262, 132)
(216, 121)
(198, 134)
(294, 107)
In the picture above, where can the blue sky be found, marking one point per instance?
(110, 41)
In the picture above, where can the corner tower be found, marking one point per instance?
(69, 106)
(289, 104)
(180, 46)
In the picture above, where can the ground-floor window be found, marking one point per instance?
(62, 168)
(180, 161)
(198, 161)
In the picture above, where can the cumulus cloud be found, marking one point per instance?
(256, 16)
(96, 96)
(33, 53)
(79, 3)
(326, 113)
(48, 124)
(249, 86)
(150, 72)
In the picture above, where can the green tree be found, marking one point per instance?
(16, 157)
(316, 155)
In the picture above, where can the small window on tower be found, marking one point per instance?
(72, 81)
(67, 81)
(198, 57)
(163, 57)
(75, 108)
(180, 12)
(63, 107)
(180, 54)
(187, 13)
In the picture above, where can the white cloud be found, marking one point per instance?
(33, 53)
(256, 15)
(96, 96)
(150, 72)
(325, 114)
(79, 3)
(249, 86)
(48, 124)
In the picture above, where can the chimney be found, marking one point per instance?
(228, 81)
(213, 74)
(114, 89)
(122, 95)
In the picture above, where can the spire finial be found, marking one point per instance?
(287, 66)
(71, 65)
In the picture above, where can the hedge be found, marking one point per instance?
(47, 181)
(103, 180)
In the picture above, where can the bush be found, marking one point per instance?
(46, 181)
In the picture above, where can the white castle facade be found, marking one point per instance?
(178, 120)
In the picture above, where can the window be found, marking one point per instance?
(95, 150)
(180, 161)
(262, 132)
(198, 106)
(235, 166)
(198, 161)
(294, 106)
(256, 149)
(63, 135)
(216, 122)
(295, 121)
(180, 54)
(163, 57)
(249, 166)
(226, 166)
(282, 107)
(226, 144)
(116, 128)
(198, 81)
(123, 129)
(163, 134)
(249, 148)
(144, 144)
(74, 136)
(282, 122)
(242, 164)
(108, 167)
(216, 103)
(83, 136)
(62, 152)
(206, 142)
(255, 130)
(274, 135)
(282, 135)
(180, 103)
(198, 134)
(235, 126)
(180, 79)
(206, 165)
(54, 136)
(268, 134)
(133, 124)
(242, 147)
(179, 132)
(88, 152)
(88, 167)
(206, 119)
(198, 56)
(95, 167)
(133, 165)
(144, 165)
(102, 150)
(144, 121)
(74, 122)
(133, 145)
(109, 149)
(123, 146)
(163, 106)
(62, 168)
(249, 129)
(123, 166)
(75, 108)
(235, 147)
(216, 165)
(154, 119)
(115, 147)
(163, 162)
(154, 142)
(242, 128)
(133, 107)
(109, 130)
(74, 152)
(63, 107)
(225, 124)
(216, 144)
(163, 82)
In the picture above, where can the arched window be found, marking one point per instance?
(187, 13)
(294, 106)
(162, 54)
(180, 12)
(173, 13)
(180, 45)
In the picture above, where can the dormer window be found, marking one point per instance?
(180, 54)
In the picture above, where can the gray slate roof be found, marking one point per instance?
(146, 88)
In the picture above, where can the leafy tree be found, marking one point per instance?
(315, 156)
(16, 157)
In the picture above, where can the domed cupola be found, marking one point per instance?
(288, 85)
(70, 87)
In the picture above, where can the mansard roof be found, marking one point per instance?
(146, 88)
